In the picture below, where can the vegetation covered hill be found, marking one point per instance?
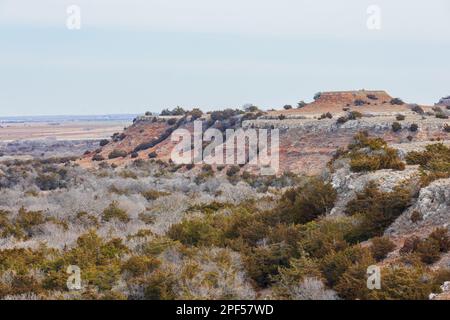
(141, 227)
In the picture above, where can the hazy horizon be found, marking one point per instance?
(49, 115)
(69, 115)
(136, 56)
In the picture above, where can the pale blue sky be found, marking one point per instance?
(136, 55)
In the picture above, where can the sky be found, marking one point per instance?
(130, 56)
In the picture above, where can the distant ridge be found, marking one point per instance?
(68, 118)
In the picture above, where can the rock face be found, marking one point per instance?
(349, 97)
(306, 145)
(445, 101)
(445, 292)
(433, 205)
(404, 148)
(348, 183)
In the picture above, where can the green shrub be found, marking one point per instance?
(409, 245)
(341, 120)
(416, 216)
(223, 115)
(379, 156)
(353, 115)
(103, 142)
(114, 212)
(116, 153)
(387, 160)
(8, 228)
(26, 220)
(262, 263)
(428, 251)
(98, 157)
(307, 202)
(446, 128)
(417, 109)
(244, 228)
(397, 101)
(178, 111)
(233, 170)
(298, 270)
(171, 121)
(209, 208)
(139, 265)
(377, 210)
(49, 181)
(352, 284)
(99, 261)
(154, 194)
(20, 284)
(400, 117)
(207, 168)
(334, 265)
(362, 140)
(160, 285)
(402, 283)
(363, 163)
(301, 104)
(326, 115)
(440, 235)
(441, 115)
(440, 276)
(414, 127)
(380, 248)
(434, 162)
(196, 113)
(203, 177)
(195, 232)
(128, 174)
(396, 127)
(289, 234)
(325, 236)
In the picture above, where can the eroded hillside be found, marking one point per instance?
(356, 189)
(309, 134)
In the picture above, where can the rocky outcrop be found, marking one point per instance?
(432, 209)
(307, 145)
(348, 183)
(445, 101)
(371, 123)
(404, 148)
(444, 294)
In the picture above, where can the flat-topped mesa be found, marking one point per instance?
(155, 118)
(339, 102)
(350, 97)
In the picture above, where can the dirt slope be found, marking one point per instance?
(306, 144)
